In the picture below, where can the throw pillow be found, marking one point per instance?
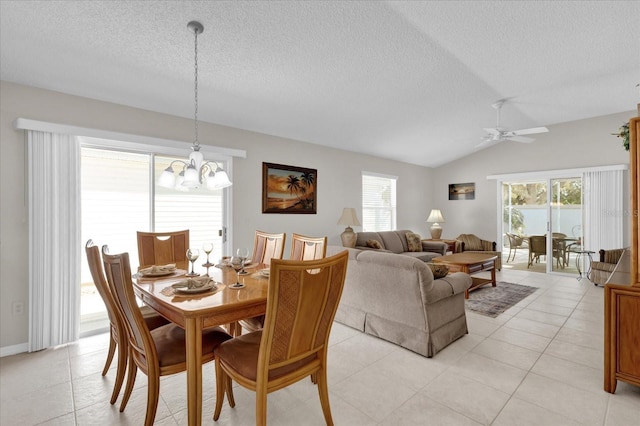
(414, 242)
(439, 270)
(374, 244)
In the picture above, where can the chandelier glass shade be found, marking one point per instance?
(196, 172)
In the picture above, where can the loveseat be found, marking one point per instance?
(396, 298)
(396, 242)
(470, 243)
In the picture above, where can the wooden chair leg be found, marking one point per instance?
(112, 351)
(229, 389)
(261, 407)
(221, 384)
(120, 371)
(153, 393)
(131, 379)
(323, 392)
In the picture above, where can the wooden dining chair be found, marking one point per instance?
(117, 330)
(161, 248)
(265, 247)
(302, 301)
(158, 352)
(308, 248)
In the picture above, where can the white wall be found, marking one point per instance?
(339, 180)
(583, 143)
(569, 145)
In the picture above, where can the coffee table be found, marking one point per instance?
(471, 263)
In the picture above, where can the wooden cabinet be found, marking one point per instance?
(622, 302)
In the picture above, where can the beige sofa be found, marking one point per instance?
(396, 298)
(396, 242)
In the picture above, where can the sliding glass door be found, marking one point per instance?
(119, 196)
(544, 219)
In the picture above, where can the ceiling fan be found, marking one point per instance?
(499, 134)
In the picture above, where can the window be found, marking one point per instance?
(378, 202)
(119, 196)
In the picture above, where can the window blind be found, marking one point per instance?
(378, 202)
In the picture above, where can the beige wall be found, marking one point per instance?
(339, 180)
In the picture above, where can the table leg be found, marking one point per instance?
(493, 274)
(193, 328)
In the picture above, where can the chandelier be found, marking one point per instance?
(196, 171)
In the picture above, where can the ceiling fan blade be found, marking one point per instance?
(485, 142)
(522, 139)
(531, 131)
(492, 131)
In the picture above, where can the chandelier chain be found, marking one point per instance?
(195, 89)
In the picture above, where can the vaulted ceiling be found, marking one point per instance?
(406, 80)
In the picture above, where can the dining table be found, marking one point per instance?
(194, 312)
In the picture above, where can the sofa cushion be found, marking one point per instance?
(374, 244)
(414, 242)
(425, 256)
(439, 270)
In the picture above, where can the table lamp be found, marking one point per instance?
(436, 230)
(348, 218)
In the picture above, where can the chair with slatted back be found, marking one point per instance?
(268, 246)
(117, 330)
(308, 248)
(157, 352)
(265, 247)
(302, 300)
(161, 248)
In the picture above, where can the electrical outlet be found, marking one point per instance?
(17, 308)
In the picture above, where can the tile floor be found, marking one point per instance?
(540, 363)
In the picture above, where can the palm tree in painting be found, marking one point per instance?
(293, 184)
(307, 179)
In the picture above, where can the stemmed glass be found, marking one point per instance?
(207, 248)
(243, 253)
(193, 254)
(237, 263)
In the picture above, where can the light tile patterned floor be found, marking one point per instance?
(539, 363)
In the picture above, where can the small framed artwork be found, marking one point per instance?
(462, 191)
(289, 189)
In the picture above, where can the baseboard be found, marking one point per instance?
(14, 349)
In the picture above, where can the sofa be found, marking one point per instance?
(396, 298)
(470, 243)
(396, 242)
(602, 268)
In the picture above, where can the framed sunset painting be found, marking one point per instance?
(288, 189)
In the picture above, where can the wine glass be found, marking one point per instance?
(243, 253)
(237, 263)
(207, 248)
(193, 254)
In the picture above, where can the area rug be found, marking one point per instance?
(492, 301)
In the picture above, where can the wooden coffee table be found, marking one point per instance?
(471, 263)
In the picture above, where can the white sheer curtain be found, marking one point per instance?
(54, 239)
(603, 210)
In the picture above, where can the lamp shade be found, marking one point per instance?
(435, 216)
(349, 217)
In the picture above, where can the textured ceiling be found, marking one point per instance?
(410, 81)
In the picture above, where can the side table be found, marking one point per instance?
(579, 257)
(451, 244)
